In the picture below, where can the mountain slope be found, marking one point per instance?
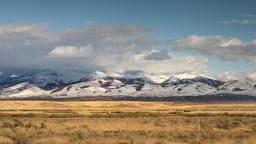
(23, 90)
(246, 86)
(132, 84)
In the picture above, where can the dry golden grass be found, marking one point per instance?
(123, 122)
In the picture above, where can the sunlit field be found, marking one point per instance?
(43, 122)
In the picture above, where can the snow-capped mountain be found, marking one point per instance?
(44, 79)
(246, 86)
(131, 84)
(189, 79)
(23, 90)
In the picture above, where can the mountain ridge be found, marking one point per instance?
(133, 84)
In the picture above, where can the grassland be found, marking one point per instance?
(123, 122)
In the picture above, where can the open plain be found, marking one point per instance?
(126, 122)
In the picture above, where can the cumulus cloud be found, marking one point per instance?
(251, 75)
(231, 75)
(91, 47)
(158, 55)
(71, 51)
(225, 48)
(30, 44)
(228, 75)
(189, 64)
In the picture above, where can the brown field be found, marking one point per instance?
(123, 122)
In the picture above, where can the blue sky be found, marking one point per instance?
(168, 20)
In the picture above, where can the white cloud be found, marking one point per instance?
(230, 42)
(240, 21)
(249, 15)
(71, 51)
(92, 47)
(231, 75)
(191, 64)
(225, 48)
(176, 65)
(13, 28)
(251, 75)
(33, 45)
(158, 55)
(228, 75)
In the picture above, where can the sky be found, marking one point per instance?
(215, 37)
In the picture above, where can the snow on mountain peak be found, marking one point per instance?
(14, 76)
(24, 90)
(99, 74)
(191, 76)
(18, 86)
(132, 83)
(153, 77)
(185, 76)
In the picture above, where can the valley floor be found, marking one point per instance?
(127, 122)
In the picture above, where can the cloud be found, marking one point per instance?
(225, 48)
(249, 15)
(240, 21)
(30, 44)
(228, 75)
(158, 55)
(71, 51)
(251, 75)
(91, 47)
(189, 64)
(246, 19)
(242, 75)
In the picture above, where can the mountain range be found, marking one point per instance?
(52, 84)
